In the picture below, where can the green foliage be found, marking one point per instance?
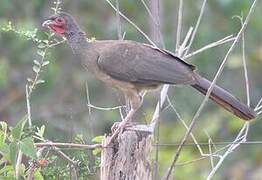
(12, 141)
(58, 105)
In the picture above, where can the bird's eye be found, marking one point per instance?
(60, 20)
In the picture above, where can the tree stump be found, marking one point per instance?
(128, 158)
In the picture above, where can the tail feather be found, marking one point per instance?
(225, 99)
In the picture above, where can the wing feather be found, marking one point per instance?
(138, 63)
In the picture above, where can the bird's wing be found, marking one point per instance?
(139, 63)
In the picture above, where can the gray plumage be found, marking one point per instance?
(134, 67)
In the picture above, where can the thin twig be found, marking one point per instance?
(239, 140)
(185, 125)
(18, 163)
(197, 25)
(132, 23)
(64, 156)
(211, 45)
(183, 141)
(28, 107)
(118, 20)
(105, 109)
(258, 105)
(34, 165)
(211, 153)
(245, 63)
(57, 43)
(72, 163)
(179, 24)
(150, 13)
(168, 145)
(68, 145)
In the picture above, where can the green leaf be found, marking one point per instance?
(96, 151)
(28, 148)
(40, 132)
(36, 69)
(98, 139)
(7, 169)
(38, 175)
(3, 132)
(40, 81)
(13, 149)
(45, 63)
(41, 52)
(4, 151)
(41, 45)
(29, 80)
(37, 63)
(22, 169)
(7, 178)
(18, 129)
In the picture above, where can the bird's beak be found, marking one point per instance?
(47, 23)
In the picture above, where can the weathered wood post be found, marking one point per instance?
(129, 158)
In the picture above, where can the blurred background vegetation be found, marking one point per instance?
(61, 102)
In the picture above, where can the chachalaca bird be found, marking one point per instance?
(134, 67)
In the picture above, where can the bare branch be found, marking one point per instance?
(211, 45)
(28, 107)
(68, 145)
(179, 24)
(18, 163)
(197, 25)
(184, 139)
(239, 139)
(244, 62)
(258, 105)
(185, 125)
(118, 20)
(105, 109)
(132, 23)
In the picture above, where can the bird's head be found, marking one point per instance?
(62, 23)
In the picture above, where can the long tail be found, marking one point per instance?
(225, 99)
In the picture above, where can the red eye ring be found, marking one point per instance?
(60, 20)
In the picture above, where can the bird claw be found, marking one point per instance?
(116, 125)
(118, 128)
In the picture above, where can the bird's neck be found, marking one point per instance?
(77, 41)
(82, 48)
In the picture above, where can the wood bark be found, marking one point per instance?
(128, 158)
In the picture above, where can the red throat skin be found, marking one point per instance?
(58, 29)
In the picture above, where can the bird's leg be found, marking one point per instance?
(120, 126)
(128, 105)
(135, 102)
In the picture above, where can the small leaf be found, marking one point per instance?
(41, 46)
(29, 80)
(3, 132)
(38, 175)
(36, 69)
(40, 81)
(96, 151)
(28, 148)
(13, 149)
(41, 131)
(46, 41)
(18, 129)
(37, 63)
(7, 169)
(98, 139)
(41, 52)
(45, 63)
(5, 152)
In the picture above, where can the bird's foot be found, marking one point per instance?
(118, 128)
(118, 124)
